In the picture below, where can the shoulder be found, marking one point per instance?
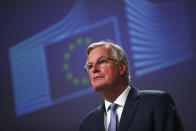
(92, 115)
(151, 98)
(152, 102)
(153, 94)
(136, 93)
(154, 107)
(157, 98)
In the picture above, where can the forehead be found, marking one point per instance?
(99, 51)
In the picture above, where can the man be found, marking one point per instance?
(125, 108)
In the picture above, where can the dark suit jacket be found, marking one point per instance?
(143, 111)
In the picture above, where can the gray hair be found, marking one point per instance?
(118, 52)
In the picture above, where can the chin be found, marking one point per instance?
(98, 88)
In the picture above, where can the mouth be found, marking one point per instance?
(97, 78)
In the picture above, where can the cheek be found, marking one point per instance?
(111, 74)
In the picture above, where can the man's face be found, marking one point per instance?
(103, 77)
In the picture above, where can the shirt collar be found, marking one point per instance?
(120, 100)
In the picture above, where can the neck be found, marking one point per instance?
(112, 93)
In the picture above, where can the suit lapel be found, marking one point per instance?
(100, 120)
(129, 109)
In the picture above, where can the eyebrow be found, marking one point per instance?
(97, 60)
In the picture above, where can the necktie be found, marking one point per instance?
(113, 118)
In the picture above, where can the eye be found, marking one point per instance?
(102, 61)
(89, 66)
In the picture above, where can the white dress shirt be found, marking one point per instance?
(120, 101)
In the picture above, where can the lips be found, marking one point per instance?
(97, 78)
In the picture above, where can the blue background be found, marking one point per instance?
(37, 94)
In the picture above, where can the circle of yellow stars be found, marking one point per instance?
(69, 75)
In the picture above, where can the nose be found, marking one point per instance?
(95, 69)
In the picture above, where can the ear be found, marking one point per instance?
(122, 68)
